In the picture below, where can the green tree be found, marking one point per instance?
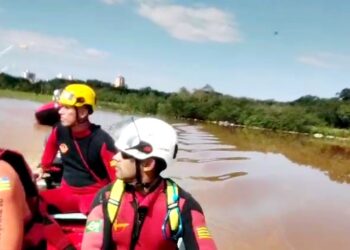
(343, 113)
(344, 95)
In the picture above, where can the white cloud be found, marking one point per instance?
(48, 55)
(96, 53)
(196, 24)
(45, 44)
(314, 60)
(4, 69)
(112, 2)
(325, 60)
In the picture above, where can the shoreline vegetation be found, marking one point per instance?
(327, 118)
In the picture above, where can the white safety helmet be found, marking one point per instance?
(148, 137)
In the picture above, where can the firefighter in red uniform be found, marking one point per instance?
(24, 223)
(15, 203)
(86, 152)
(141, 209)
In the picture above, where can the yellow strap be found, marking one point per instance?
(114, 199)
(172, 191)
(174, 215)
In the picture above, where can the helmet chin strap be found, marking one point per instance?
(138, 174)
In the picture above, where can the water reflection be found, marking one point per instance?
(212, 159)
(333, 160)
(219, 177)
(209, 147)
(204, 157)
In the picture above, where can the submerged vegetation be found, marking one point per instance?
(308, 114)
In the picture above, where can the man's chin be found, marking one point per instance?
(65, 124)
(126, 180)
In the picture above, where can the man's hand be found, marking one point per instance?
(39, 174)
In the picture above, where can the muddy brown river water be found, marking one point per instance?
(259, 190)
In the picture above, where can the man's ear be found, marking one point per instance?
(83, 112)
(148, 165)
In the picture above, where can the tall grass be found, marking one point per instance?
(24, 95)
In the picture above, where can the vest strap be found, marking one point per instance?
(173, 217)
(114, 200)
(173, 205)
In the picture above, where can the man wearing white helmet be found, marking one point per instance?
(142, 210)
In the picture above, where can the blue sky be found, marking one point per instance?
(263, 49)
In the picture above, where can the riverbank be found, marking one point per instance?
(329, 135)
(24, 95)
(46, 98)
(318, 134)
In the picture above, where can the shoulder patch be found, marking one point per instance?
(203, 233)
(94, 226)
(5, 183)
(63, 148)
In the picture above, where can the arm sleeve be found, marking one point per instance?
(12, 208)
(50, 150)
(93, 235)
(196, 234)
(108, 150)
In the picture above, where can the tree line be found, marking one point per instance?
(308, 114)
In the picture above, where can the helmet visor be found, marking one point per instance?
(64, 97)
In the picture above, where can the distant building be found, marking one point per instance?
(29, 76)
(61, 76)
(119, 82)
(208, 88)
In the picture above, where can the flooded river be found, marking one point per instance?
(259, 190)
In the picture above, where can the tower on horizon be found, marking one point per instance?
(119, 82)
(29, 76)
